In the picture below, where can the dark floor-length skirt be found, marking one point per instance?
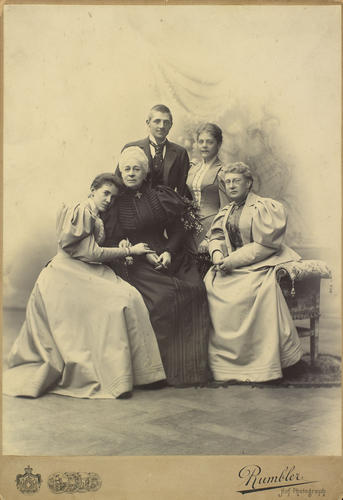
(178, 307)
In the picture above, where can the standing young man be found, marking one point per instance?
(168, 162)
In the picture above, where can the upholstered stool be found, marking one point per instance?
(300, 285)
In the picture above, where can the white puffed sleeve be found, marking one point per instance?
(268, 231)
(75, 226)
(216, 233)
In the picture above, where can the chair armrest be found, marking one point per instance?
(302, 270)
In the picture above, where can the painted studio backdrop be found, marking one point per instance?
(79, 81)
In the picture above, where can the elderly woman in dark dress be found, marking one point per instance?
(168, 278)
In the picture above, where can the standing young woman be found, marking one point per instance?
(203, 180)
(206, 187)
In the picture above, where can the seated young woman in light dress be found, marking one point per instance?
(253, 336)
(87, 332)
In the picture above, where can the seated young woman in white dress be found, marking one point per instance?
(253, 336)
(87, 332)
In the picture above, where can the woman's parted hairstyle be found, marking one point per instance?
(212, 129)
(135, 155)
(237, 167)
(106, 178)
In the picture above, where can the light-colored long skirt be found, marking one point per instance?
(253, 333)
(87, 334)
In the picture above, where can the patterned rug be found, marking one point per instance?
(325, 373)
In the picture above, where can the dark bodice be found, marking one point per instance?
(148, 214)
(232, 225)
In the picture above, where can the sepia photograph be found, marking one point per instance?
(171, 247)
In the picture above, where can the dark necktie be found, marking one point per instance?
(158, 158)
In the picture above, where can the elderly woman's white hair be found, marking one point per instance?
(134, 155)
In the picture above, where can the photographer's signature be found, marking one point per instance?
(288, 480)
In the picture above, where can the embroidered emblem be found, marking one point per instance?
(74, 482)
(28, 483)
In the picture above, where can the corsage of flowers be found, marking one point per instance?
(191, 217)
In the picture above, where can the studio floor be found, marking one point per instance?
(235, 420)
